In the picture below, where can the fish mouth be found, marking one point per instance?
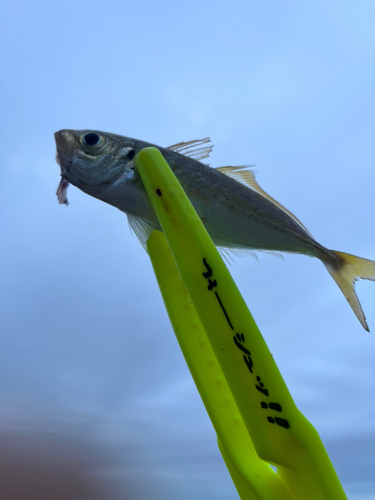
(64, 149)
(64, 183)
(60, 156)
(64, 170)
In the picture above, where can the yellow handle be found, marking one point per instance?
(280, 433)
(254, 479)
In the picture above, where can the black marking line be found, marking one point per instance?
(211, 284)
(240, 346)
(224, 311)
(275, 406)
(208, 274)
(262, 390)
(249, 363)
(282, 422)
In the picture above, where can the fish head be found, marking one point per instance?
(92, 160)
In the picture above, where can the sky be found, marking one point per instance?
(87, 352)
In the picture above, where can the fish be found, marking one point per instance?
(236, 212)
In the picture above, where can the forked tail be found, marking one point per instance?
(345, 273)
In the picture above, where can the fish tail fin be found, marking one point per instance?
(346, 271)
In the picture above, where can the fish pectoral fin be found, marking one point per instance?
(245, 176)
(141, 229)
(197, 150)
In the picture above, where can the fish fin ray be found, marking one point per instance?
(197, 150)
(245, 176)
(346, 273)
(141, 229)
(228, 253)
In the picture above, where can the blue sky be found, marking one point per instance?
(288, 87)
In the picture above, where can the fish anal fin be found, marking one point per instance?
(229, 253)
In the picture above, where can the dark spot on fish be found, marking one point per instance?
(131, 154)
(158, 192)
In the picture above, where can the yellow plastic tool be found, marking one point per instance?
(254, 415)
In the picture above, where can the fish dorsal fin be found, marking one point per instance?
(198, 150)
(141, 229)
(247, 177)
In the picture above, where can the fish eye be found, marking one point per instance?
(91, 139)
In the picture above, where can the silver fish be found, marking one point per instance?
(235, 210)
